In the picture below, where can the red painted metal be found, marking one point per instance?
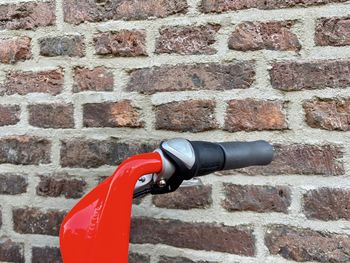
(97, 229)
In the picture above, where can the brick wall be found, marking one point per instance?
(84, 84)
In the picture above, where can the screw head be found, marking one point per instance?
(162, 183)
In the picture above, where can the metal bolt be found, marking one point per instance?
(162, 183)
(142, 179)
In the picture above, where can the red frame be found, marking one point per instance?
(97, 229)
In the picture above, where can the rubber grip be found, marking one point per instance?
(244, 154)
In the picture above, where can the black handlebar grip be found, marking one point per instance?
(244, 154)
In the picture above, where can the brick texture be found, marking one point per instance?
(192, 77)
(220, 6)
(51, 116)
(137, 258)
(327, 204)
(270, 35)
(165, 259)
(35, 221)
(9, 115)
(256, 198)
(96, 79)
(46, 254)
(77, 12)
(185, 198)
(125, 43)
(307, 245)
(27, 15)
(11, 251)
(24, 150)
(25, 82)
(252, 115)
(192, 116)
(16, 49)
(12, 184)
(328, 114)
(60, 185)
(291, 76)
(72, 46)
(333, 31)
(111, 114)
(188, 40)
(236, 240)
(95, 153)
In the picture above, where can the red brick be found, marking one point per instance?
(15, 49)
(34, 221)
(24, 150)
(264, 35)
(11, 251)
(95, 153)
(262, 199)
(186, 116)
(12, 184)
(112, 114)
(27, 15)
(51, 115)
(25, 82)
(77, 12)
(187, 40)
(96, 79)
(61, 185)
(125, 43)
(328, 114)
(307, 245)
(200, 236)
(334, 31)
(46, 254)
(327, 204)
(290, 75)
(185, 198)
(255, 115)
(302, 159)
(212, 76)
(67, 45)
(9, 115)
(220, 6)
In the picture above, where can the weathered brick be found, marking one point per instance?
(302, 159)
(96, 79)
(46, 254)
(327, 204)
(25, 82)
(68, 45)
(213, 76)
(15, 49)
(256, 198)
(11, 251)
(9, 114)
(138, 258)
(34, 221)
(24, 150)
(328, 114)
(253, 115)
(77, 12)
(27, 15)
(112, 114)
(185, 198)
(165, 259)
(61, 185)
(334, 31)
(12, 184)
(220, 6)
(290, 76)
(187, 40)
(264, 35)
(307, 245)
(186, 116)
(201, 236)
(125, 43)
(51, 115)
(95, 153)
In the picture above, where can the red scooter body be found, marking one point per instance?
(97, 229)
